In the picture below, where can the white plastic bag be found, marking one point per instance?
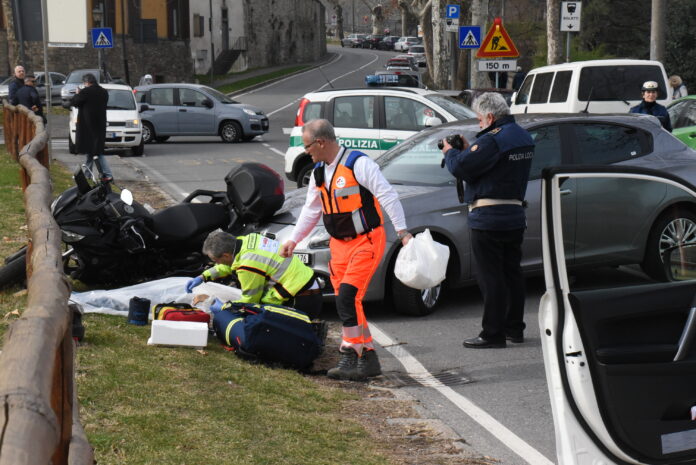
(422, 263)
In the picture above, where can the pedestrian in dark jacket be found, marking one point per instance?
(649, 106)
(496, 170)
(518, 79)
(90, 135)
(28, 96)
(15, 84)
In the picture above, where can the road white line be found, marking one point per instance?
(274, 150)
(504, 435)
(162, 180)
(289, 77)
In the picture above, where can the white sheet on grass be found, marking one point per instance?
(116, 301)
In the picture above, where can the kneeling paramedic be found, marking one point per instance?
(264, 276)
(349, 190)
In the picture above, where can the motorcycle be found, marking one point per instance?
(112, 240)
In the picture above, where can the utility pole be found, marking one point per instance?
(657, 30)
(212, 45)
(123, 38)
(553, 32)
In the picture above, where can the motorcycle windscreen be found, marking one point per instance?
(619, 346)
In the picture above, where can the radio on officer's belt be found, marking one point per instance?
(456, 141)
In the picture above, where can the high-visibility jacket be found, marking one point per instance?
(349, 209)
(263, 275)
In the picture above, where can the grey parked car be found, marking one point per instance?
(74, 80)
(595, 233)
(56, 83)
(196, 110)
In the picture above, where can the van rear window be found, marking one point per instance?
(542, 85)
(608, 83)
(561, 85)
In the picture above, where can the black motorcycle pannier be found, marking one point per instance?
(255, 190)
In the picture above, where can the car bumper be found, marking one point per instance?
(119, 137)
(256, 126)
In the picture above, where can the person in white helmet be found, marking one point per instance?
(146, 80)
(649, 105)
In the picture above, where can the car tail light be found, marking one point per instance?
(300, 112)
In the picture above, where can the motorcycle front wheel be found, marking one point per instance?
(15, 270)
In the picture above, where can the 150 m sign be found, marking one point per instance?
(497, 65)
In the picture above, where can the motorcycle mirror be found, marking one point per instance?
(127, 197)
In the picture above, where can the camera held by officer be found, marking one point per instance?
(455, 140)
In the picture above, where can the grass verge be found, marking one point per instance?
(146, 405)
(251, 81)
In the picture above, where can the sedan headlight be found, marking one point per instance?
(249, 112)
(132, 123)
(70, 237)
(319, 239)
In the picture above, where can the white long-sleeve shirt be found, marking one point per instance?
(368, 175)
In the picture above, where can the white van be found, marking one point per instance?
(123, 126)
(596, 86)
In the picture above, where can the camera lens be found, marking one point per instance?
(440, 145)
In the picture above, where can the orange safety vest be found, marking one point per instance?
(349, 208)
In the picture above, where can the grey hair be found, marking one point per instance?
(319, 129)
(491, 102)
(219, 242)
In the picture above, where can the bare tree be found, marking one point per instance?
(554, 54)
(421, 10)
(440, 68)
(338, 9)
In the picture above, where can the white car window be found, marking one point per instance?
(162, 96)
(191, 98)
(354, 112)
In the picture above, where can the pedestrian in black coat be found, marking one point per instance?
(90, 135)
(15, 84)
(28, 96)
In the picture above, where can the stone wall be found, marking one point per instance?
(166, 60)
(284, 32)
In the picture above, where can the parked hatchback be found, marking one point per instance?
(404, 43)
(196, 110)
(627, 226)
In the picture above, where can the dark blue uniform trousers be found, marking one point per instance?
(497, 255)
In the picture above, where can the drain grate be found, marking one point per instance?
(395, 379)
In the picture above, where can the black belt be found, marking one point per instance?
(309, 292)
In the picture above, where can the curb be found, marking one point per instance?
(327, 58)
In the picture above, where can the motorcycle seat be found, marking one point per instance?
(189, 222)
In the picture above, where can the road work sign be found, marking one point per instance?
(497, 43)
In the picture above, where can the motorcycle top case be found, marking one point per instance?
(255, 190)
(174, 311)
(271, 333)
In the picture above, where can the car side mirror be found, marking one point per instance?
(208, 103)
(144, 107)
(432, 121)
(680, 262)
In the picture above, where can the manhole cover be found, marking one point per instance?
(453, 377)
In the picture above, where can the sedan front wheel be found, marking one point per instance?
(231, 131)
(676, 227)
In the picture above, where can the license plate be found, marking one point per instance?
(304, 258)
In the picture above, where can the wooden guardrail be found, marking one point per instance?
(39, 420)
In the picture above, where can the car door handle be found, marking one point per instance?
(182, 110)
(687, 336)
(566, 192)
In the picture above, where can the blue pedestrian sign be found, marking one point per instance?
(452, 12)
(102, 37)
(469, 36)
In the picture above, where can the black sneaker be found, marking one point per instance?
(347, 367)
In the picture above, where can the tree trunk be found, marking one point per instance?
(377, 20)
(440, 68)
(339, 21)
(553, 32)
(479, 17)
(426, 25)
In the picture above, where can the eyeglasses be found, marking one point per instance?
(306, 147)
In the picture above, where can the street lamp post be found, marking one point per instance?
(97, 17)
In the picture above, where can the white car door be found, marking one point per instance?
(619, 349)
(403, 117)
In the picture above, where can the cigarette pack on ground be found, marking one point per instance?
(178, 333)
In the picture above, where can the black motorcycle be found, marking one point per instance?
(111, 240)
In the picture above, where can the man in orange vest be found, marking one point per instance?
(349, 191)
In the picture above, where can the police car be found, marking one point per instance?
(371, 120)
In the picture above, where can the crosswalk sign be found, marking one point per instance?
(102, 37)
(469, 37)
(497, 43)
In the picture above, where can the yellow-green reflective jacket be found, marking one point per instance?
(264, 276)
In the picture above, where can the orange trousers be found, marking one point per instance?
(352, 265)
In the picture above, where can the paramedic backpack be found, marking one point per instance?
(270, 333)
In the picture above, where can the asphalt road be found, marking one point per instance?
(495, 399)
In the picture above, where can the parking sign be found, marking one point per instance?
(452, 11)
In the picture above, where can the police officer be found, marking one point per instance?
(649, 105)
(496, 170)
(348, 191)
(264, 276)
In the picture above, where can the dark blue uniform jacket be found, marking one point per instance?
(495, 166)
(654, 109)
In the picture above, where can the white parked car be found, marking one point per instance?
(418, 53)
(404, 43)
(371, 120)
(123, 128)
